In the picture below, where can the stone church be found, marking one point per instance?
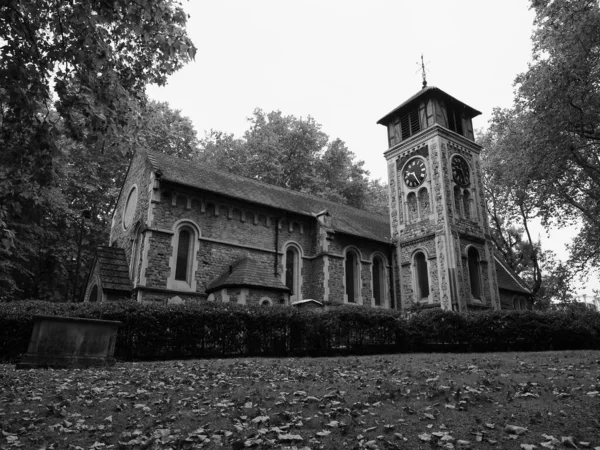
(183, 232)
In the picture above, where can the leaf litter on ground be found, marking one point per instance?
(510, 401)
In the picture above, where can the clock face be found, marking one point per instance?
(414, 172)
(460, 171)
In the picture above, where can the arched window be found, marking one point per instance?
(378, 281)
(352, 276)
(424, 203)
(293, 272)
(457, 195)
(94, 294)
(413, 208)
(421, 276)
(183, 261)
(183, 255)
(467, 204)
(524, 306)
(135, 255)
(474, 273)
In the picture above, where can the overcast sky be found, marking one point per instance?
(348, 63)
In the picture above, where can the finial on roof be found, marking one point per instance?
(423, 72)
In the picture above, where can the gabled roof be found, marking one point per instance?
(345, 219)
(246, 273)
(508, 280)
(113, 269)
(428, 92)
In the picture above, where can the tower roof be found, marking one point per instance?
(428, 92)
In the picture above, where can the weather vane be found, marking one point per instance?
(423, 70)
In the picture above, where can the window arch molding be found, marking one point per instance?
(352, 275)
(130, 207)
(94, 291)
(473, 257)
(183, 263)
(379, 280)
(291, 274)
(421, 280)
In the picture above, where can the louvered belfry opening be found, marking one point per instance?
(410, 124)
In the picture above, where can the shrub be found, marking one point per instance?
(196, 330)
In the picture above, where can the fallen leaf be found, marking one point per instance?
(514, 429)
(568, 441)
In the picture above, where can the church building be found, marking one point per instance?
(184, 232)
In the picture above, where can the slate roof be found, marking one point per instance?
(113, 269)
(345, 219)
(429, 90)
(246, 273)
(508, 279)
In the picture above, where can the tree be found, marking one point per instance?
(72, 74)
(558, 105)
(42, 263)
(511, 202)
(558, 283)
(294, 153)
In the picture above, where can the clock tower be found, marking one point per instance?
(443, 250)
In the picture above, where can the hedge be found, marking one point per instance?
(200, 330)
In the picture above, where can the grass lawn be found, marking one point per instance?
(409, 401)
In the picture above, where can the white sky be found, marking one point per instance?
(348, 63)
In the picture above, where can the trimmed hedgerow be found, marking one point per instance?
(197, 330)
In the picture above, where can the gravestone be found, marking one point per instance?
(64, 342)
(175, 301)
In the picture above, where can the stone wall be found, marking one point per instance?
(366, 250)
(228, 230)
(141, 177)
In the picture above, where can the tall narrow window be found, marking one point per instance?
(378, 281)
(474, 273)
(292, 273)
(457, 195)
(94, 294)
(467, 204)
(183, 262)
(421, 276)
(289, 270)
(413, 207)
(183, 256)
(424, 203)
(135, 255)
(524, 304)
(352, 275)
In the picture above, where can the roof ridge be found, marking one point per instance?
(150, 154)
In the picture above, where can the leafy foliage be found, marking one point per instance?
(41, 262)
(511, 203)
(550, 139)
(296, 154)
(72, 77)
